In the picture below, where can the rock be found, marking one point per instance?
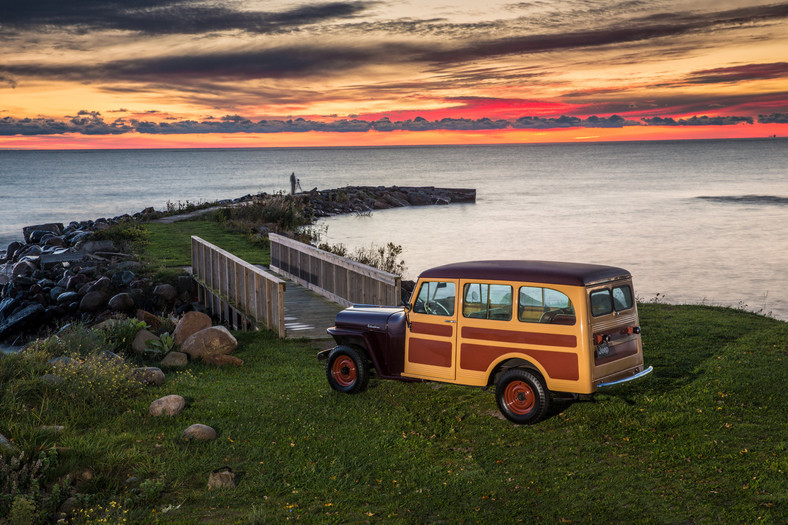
(123, 278)
(75, 282)
(24, 267)
(122, 302)
(103, 285)
(18, 321)
(199, 432)
(171, 405)
(59, 362)
(66, 297)
(190, 324)
(222, 359)
(150, 319)
(7, 306)
(108, 324)
(68, 507)
(165, 292)
(5, 444)
(52, 379)
(150, 375)
(175, 360)
(50, 227)
(222, 478)
(111, 357)
(213, 340)
(140, 342)
(93, 301)
(97, 246)
(52, 429)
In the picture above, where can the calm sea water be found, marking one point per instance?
(694, 221)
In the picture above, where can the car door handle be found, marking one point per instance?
(449, 321)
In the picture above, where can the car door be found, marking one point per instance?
(431, 340)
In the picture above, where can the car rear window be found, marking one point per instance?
(607, 300)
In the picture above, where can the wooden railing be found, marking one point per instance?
(241, 294)
(341, 280)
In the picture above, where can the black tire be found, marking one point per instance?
(347, 370)
(522, 396)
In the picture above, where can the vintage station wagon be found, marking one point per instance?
(531, 328)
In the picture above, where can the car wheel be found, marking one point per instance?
(522, 396)
(347, 370)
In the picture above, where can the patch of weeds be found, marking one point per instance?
(381, 257)
(128, 236)
(282, 212)
(23, 482)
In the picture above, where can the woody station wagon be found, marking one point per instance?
(531, 328)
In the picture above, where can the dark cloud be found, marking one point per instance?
(697, 121)
(774, 118)
(637, 29)
(92, 123)
(740, 73)
(165, 16)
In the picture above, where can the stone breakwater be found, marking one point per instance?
(362, 199)
(60, 273)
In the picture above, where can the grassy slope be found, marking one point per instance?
(702, 440)
(170, 244)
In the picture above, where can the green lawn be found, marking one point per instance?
(170, 244)
(701, 440)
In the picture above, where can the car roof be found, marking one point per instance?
(551, 272)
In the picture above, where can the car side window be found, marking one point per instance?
(622, 297)
(435, 298)
(487, 301)
(545, 305)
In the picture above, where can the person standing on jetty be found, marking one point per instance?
(294, 183)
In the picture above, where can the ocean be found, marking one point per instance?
(701, 222)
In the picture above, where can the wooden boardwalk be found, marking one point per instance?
(308, 314)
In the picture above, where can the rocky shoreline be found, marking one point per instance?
(61, 273)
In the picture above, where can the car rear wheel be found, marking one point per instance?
(347, 370)
(522, 396)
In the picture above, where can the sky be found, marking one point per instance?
(255, 73)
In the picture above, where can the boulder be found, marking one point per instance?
(175, 360)
(150, 375)
(18, 321)
(213, 340)
(50, 227)
(171, 405)
(190, 324)
(165, 292)
(150, 319)
(221, 478)
(199, 432)
(93, 301)
(140, 342)
(122, 302)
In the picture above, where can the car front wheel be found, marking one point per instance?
(522, 396)
(347, 370)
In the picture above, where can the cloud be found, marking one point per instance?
(697, 121)
(92, 123)
(740, 73)
(167, 16)
(774, 118)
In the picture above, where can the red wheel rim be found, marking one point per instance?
(519, 397)
(344, 371)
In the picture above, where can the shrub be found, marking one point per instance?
(380, 257)
(22, 487)
(128, 236)
(284, 212)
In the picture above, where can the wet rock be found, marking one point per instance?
(51, 227)
(171, 405)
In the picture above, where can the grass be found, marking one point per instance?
(170, 244)
(702, 440)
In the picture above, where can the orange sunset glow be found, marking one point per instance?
(176, 73)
